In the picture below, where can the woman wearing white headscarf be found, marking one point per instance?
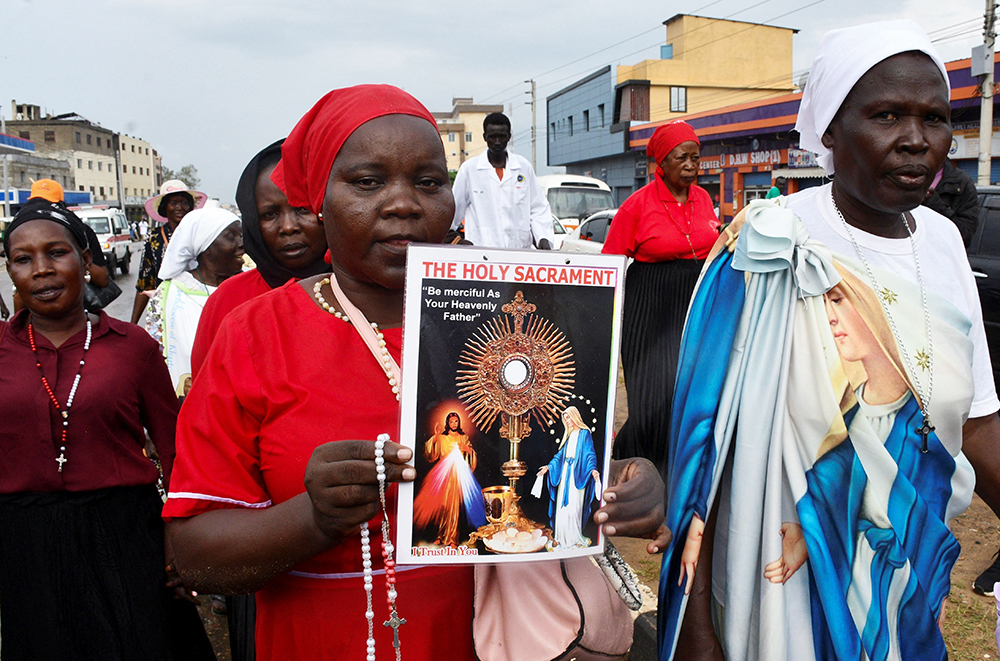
(205, 249)
(813, 511)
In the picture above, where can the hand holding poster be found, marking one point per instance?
(510, 363)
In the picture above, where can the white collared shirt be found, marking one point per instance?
(507, 213)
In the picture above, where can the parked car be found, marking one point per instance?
(112, 230)
(560, 233)
(573, 198)
(984, 257)
(590, 235)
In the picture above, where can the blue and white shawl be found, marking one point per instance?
(770, 419)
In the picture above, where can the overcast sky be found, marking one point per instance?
(211, 82)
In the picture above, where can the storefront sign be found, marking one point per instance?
(800, 158)
(712, 162)
(768, 157)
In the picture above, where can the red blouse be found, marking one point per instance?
(231, 293)
(650, 225)
(283, 376)
(124, 387)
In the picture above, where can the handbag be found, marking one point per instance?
(552, 611)
(96, 298)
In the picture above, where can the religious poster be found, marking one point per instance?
(510, 367)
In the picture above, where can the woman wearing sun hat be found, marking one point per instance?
(174, 201)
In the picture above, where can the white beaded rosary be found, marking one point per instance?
(394, 620)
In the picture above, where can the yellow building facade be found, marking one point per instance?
(708, 63)
(462, 130)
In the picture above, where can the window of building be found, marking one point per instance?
(102, 191)
(600, 113)
(25, 135)
(98, 141)
(79, 163)
(133, 169)
(124, 169)
(50, 136)
(91, 189)
(678, 99)
(78, 141)
(451, 137)
(100, 166)
(571, 126)
(147, 151)
(90, 165)
(81, 185)
(552, 130)
(454, 153)
(90, 141)
(586, 120)
(468, 136)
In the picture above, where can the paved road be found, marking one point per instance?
(120, 308)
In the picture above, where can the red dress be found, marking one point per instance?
(650, 225)
(232, 293)
(282, 377)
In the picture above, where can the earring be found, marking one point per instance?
(327, 258)
(319, 217)
(86, 276)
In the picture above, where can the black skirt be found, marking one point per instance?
(656, 301)
(82, 577)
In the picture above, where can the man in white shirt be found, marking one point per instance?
(499, 197)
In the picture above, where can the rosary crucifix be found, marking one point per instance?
(395, 622)
(924, 430)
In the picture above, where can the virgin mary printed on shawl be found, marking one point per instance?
(807, 424)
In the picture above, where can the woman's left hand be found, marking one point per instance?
(634, 503)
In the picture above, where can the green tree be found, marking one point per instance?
(188, 174)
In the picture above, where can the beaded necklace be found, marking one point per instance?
(61, 459)
(372, 337)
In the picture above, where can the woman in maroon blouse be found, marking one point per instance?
(668, 227)
(81, 542)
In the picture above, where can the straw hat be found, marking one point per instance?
(168, 187)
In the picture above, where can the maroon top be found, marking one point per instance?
(124, 387)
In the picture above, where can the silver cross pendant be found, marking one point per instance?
(395, 622)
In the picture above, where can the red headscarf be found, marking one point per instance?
(668, 136)
(310, 149)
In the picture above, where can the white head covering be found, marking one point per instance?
(843, 57)
(193, 236)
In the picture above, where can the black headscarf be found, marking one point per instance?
(274, 274)
(40, 209)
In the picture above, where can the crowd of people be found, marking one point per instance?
(798, 472)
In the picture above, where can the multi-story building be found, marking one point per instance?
(117, 169)
(745, 147)
(87, 147)
(462, 130)
(140, 171)
(703, 65)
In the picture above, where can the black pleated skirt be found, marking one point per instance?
(656, 302)
(82, 577)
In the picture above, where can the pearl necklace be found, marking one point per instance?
(386, 361)
(883, 296)
(61, 459)
(394, 621)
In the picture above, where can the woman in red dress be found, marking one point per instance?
(271, 484)
(668, 227)
(284, 242)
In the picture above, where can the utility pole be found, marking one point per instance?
(986, 103)
(534, 165)
(6, 183)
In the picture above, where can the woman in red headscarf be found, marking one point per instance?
(275, 480)
(668, 227)
(265, 500)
